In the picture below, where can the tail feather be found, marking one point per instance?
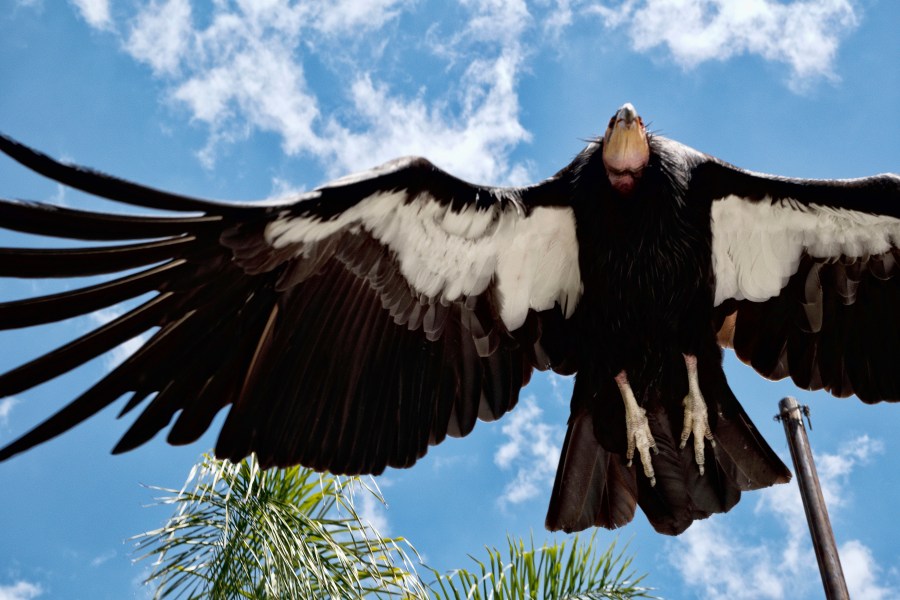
(741, 452)
(681, 494)
(747, 459)
(593, 487)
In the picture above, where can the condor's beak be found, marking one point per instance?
(625, 148)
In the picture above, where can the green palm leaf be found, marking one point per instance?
(241, 532)
(571, 569)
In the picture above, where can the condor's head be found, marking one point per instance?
(625, 149)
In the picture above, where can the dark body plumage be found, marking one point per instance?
(645, 263)
(352, 327)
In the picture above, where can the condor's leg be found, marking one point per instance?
(696, 420)
(637, 428)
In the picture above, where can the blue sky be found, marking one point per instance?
(244, 100)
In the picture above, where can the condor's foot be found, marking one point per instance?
(696, 419)
(637, 429)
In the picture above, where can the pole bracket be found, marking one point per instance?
(804, 410)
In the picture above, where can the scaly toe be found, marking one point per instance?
(696, 424)
(641, 439)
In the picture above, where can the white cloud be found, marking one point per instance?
(6, 406)
(863, 573)
(803, 34)
(139, 586)
(102, 558)
(244, 71)
(20, 590)
(497, 20)
(117, 355)
(749, 566)
(835, 469)
(742, 571)
(473, 145)
(372, 512)
(59, 198)
(562, 386)
(368, 503)
(284, 188)
(349, 16)
(244, 68)
(160, 35)
(95, 12)
(532, 449)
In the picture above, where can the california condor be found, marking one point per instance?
(351, 327)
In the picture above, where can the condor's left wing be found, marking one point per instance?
(808, 274)
(347, 329)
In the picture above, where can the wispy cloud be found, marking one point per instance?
(6, 406)
(748, 566)
(139, 586)
(20, 590)
(283, 188)
(803, 34)
(531, 449)
(561, 386)
(117, 355)
(160, 35)
(243, 70)
(863, 574)
(95, 12)
(374, 513)
(345, 17)
(103, 558)
(367, 501)
(243, 67)
(59, 197)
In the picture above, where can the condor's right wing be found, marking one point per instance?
(346, 330)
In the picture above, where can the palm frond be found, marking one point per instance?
(242, 532)
(571, 569)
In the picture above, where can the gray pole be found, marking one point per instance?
(813, 502)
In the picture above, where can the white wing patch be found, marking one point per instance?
(757, 245)
(450, 255)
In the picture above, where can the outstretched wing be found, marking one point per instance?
(808, 274)
(347, 329)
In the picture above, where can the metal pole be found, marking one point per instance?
(813, 502)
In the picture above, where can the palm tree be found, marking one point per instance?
(242, 532)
